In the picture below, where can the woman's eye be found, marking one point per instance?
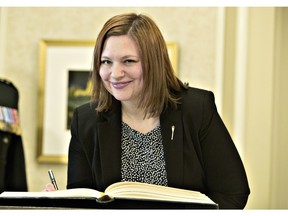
(129, 61)
(106, 62)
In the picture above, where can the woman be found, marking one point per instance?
(145, 125)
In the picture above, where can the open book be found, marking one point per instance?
(121, 190)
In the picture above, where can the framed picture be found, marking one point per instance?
(64, 83)
(173, 55)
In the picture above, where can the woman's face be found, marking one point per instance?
(121, 68)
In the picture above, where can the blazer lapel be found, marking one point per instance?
(109, 133)
(173, 145)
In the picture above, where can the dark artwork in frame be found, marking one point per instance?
(79, 91)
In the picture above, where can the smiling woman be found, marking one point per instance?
(145, 125)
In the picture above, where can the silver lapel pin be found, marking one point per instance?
(172, 131)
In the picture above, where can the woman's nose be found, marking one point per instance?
(117, 70)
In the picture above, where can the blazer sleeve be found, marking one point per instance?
(79, 165)
(225, 174)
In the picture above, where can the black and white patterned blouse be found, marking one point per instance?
(143, 156)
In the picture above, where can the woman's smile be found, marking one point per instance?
(120, 85)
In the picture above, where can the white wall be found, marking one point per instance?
(3, 23)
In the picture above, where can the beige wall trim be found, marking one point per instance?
(229, 67)
(235, 69)
(259, 104)
(240, 79)
(219, 58)
(279, 174)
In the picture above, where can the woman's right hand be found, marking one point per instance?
(49, 187)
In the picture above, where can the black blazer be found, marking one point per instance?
(202, 155)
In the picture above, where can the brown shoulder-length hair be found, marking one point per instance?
(160, 82)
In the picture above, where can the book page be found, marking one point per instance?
(155, 192)
(70, 193)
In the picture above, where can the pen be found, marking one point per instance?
(52, 178)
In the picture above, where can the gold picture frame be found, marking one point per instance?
(57, 60)
(173, 55)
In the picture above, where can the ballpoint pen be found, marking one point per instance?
(52, 178)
